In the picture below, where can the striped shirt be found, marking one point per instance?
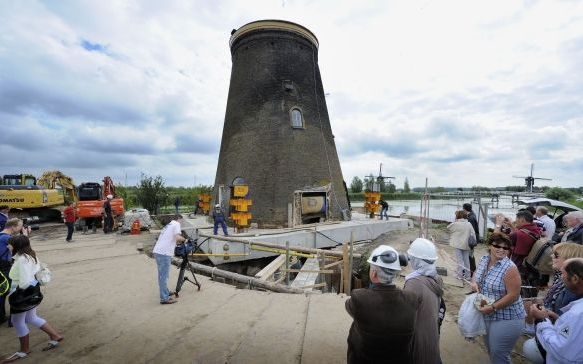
(491, 284)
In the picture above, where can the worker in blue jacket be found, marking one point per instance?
(219, 218)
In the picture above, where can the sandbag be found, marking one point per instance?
(540, 258)
(471, 321)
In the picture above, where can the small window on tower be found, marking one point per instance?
(297, 120)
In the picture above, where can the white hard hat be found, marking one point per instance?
(217, 205)
(110, 196)
(385, 256)
(422, 249)
(531, 352)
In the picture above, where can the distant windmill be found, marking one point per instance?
(529, 180)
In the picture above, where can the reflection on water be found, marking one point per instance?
(445, 209)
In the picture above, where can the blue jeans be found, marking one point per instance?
(501, 336)
(223, 225)
(70, 229)
(385, 213)
(163, 263)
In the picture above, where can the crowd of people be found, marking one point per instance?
(554, 321)
(507, 276)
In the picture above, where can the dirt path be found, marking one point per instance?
(104, 300)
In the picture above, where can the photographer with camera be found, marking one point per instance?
(12, 227)
(163, 251)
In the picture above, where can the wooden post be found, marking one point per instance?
(315, 238)
(345, 267)
(341, 285)
(250, 281)
(322, 278)
(287, 262)
(350, 263)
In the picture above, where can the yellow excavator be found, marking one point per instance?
(28, 197)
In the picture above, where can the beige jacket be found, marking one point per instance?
(460, 232)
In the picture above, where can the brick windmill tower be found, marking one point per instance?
(277, 137)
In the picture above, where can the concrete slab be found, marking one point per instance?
(318, 236)
(327, 326)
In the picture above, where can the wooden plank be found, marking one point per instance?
(251, 281)
(317, 285)
(346, 267)
(333, 264)
(305, 278)
(271, 268)
(325, 271)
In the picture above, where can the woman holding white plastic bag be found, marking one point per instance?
(26, 266)
(497, 278)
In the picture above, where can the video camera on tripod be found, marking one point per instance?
(185, 248)
(182, 251)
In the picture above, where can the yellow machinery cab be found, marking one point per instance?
(20, 191)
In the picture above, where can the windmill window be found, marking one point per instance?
(297, 119)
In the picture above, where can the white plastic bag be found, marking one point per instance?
(471, 321)
(44, 275)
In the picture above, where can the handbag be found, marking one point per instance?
(472, 241)
(44, 275)
(23, 300)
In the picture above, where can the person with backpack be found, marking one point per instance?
(523, 237)
(23, 310)
(427, 284)
(12, 227)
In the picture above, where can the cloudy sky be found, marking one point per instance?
(461, 92)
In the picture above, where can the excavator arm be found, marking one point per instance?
(53, 179)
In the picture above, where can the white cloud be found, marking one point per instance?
(461, 92)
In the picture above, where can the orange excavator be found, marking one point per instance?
(91, 197)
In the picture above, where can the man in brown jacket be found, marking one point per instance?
(384, 315)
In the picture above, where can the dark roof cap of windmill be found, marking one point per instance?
(272, 24)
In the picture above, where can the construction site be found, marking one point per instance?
(271, 291)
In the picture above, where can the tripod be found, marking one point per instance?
(181, 277)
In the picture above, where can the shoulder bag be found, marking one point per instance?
(23, 300)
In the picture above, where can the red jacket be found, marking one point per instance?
(523, 241)
(70, 214)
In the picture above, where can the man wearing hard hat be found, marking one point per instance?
(428, 285)
(384, 315)
(219, 219)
